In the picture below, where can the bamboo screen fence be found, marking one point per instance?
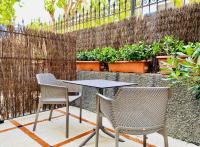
(183, 23)
(22, 55)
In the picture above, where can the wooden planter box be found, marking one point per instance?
(88, 66)
(129, 66)
(164, 59)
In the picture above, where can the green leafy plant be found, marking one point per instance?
(155, 48)
(108, 55)
(187, 71)
(92, 55)
(171, 46)
(82, 56)
(134, 52)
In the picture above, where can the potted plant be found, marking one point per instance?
(167, 48)
(130, 58)
(88, 60)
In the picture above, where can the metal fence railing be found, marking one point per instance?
(93, 16)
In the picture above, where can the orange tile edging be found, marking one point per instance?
(92, 123)
(74, 138)
(45, 144)
(30, 134)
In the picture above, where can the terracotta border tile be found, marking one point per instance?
(5, 130)
(9, 129)
(73, 138)
(92, 123)
(30, 134)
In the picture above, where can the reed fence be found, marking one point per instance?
(23, 54)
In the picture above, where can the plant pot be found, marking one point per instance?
(164, 59)
(88, 66)
(129, 66)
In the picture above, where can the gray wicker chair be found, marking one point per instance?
(136, 111)
(54, 92)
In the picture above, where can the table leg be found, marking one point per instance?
(101, 127)
(89, 137)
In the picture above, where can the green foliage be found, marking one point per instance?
(155, 48)
(134, 52)
(92, 55)
(108, 55)
(171, 46)
(50, 6)
(7, 11)
(186, 71)
(61, 3)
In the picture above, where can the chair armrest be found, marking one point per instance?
(104, 97)
(104, 105)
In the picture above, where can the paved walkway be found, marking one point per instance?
(18, 132)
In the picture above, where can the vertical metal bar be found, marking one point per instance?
(83, 17)
(95, 16)
(156, 5)
(91, 15)
(104, 13)
(119, 9)
(76, 20)
(142, 6)
(108, 7)
(149, 6)
(64, 23)
(125, 3)
(165, 4)
(61, 25)
(87, 19)
(133, 2)
(79, 21)
(114, 11)
(68, 21)
(73, 27)
(99, 5)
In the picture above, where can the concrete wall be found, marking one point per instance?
(183, 112)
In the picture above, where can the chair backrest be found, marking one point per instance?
(50, 92)
(140, 107)
(46, 78)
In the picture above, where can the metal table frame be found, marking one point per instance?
(100, 90)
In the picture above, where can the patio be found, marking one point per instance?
(109, 41)
(52, 133)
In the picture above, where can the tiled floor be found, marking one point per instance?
(18, 132)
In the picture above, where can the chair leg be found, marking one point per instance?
(51, 111)
(67, 121)
(164, 134)
(80, 118)
(36, 117)
(144, 140)
(116, 138)
(97, 130)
